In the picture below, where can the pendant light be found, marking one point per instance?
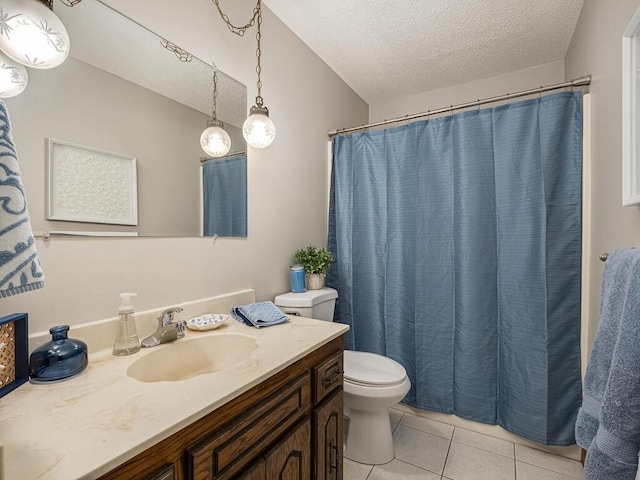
(258, 129)
(13, 77)
(215, 141)
(31, 34)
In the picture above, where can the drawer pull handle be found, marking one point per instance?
(331, 376)
(334, 462)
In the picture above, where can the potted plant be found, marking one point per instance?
(316, 262)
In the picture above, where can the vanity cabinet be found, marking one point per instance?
(288, 427)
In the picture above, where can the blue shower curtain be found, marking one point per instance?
(224, 190)
(457, 244)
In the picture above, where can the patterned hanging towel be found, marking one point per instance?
(20, 269)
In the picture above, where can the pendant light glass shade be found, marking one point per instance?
(13, 77)
(215, 141)
(31, 34)
(258, 129)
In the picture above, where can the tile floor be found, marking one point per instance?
(430, 450)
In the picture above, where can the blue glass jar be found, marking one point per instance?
(298, 284)
(60, 358)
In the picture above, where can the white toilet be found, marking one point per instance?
(372, 384)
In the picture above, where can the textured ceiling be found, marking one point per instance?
(389, 49)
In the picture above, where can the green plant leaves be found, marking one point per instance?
(314, 260)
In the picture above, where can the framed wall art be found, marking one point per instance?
(90, 185)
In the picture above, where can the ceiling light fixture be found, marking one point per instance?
(13, 77)
(215, 141)
(258, 129)
(31, 34)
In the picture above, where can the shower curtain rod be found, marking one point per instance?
(206, 159)
(578, 82)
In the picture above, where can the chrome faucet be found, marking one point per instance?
(167, 331)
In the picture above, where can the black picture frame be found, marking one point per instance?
(17, 323)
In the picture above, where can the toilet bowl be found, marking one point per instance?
(372, 384)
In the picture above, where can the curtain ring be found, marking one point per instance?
(428, 114)
(540, 93)
(478, 105)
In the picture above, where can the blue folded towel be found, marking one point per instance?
(261, 314)
(612, 383)
(20, 269)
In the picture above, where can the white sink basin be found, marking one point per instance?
(189, 357)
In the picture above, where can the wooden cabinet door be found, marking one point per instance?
(328, 438)
(254, 472)
(290, 458)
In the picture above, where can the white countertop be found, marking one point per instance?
(85, 426)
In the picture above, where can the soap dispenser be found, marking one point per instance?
(127, 341)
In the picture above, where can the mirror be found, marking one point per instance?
(124, 93)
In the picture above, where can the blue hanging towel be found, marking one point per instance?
(608, 424)
(20, 269)
(261, 314)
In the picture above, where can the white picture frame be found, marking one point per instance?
(631, 112)
(85, 184)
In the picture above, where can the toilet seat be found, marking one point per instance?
(372, 370)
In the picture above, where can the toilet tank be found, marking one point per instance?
(318, 304)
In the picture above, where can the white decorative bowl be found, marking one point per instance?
(207, 322)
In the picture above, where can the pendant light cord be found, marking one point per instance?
(233, 28)
(240, 31)
(214, 112)
(259, 100)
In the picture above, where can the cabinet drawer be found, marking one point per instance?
(224, 453)
(327, 376)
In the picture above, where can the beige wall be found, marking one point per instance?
(287, 198)
(596, 49)
(469, 92)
